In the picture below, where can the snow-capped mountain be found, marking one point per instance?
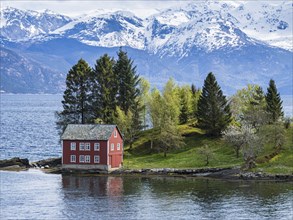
(208, 24)
(106, 30)
(19, 25)
(240, 41)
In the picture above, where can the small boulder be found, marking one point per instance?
(15, 161)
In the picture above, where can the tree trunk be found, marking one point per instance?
(165, 154)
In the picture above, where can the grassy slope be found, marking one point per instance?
(141, 156)
(281, 163)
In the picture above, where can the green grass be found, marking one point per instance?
(283, 162)
(142, 156)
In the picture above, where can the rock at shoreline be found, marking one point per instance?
(48, 163)
(13, 162)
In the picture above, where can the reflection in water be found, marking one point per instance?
(95, 186)
(36, 195)
(158, 197)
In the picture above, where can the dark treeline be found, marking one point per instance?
(113, 93)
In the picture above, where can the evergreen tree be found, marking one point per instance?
(128, 81)
(213, 112)
(104, 90)
(183, 117)
(75, 99)
(193, 89)
(186, 104)
(194, 99)
(274, 102)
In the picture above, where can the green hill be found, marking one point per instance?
(143, 156)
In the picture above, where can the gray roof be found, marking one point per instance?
(87, 132)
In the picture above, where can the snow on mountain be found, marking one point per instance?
(208, 24)
(270, 21)
(205, 29)
(114, 29)
(211, 25)
(240, 41)
(20, 25)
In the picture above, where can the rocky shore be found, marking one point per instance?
(18, 164)
(53, 165)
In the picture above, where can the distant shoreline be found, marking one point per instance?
(53, 166)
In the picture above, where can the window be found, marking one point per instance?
(87, 158)
(72, 158)
(112, 146)
(87, 146)
(81, 146)
(97, 159)
(72, 146)
(118, 146)
(97, 146)
(115, 133)
(81, 158)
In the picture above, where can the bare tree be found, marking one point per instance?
(207, 153)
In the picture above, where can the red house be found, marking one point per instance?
(92, 146)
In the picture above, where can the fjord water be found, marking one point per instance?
(35, 195)
(28, 127)
(28, 131)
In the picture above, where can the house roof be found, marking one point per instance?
(88, 132)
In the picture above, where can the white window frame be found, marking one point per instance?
(118, 146)
(72, 146)
(72, 159)
(81, 146)
(115, 134)
(87, 146)
(97, 147)
(112, 147)
(96, 159)
(87, 158)
(81, 158)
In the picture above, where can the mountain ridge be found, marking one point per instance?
(183, 42)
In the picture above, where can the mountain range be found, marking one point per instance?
(240, 42)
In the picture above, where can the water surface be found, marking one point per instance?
(28, 127)
(35, 195)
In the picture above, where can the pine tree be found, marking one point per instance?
(128, 81)
(274, 102)
(213, 112)
(75, 99)
(186, 104)
(183, 117)
(194, 99)
(104, 90)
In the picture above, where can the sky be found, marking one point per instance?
(77, 7)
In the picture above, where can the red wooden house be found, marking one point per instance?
(92, 146)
